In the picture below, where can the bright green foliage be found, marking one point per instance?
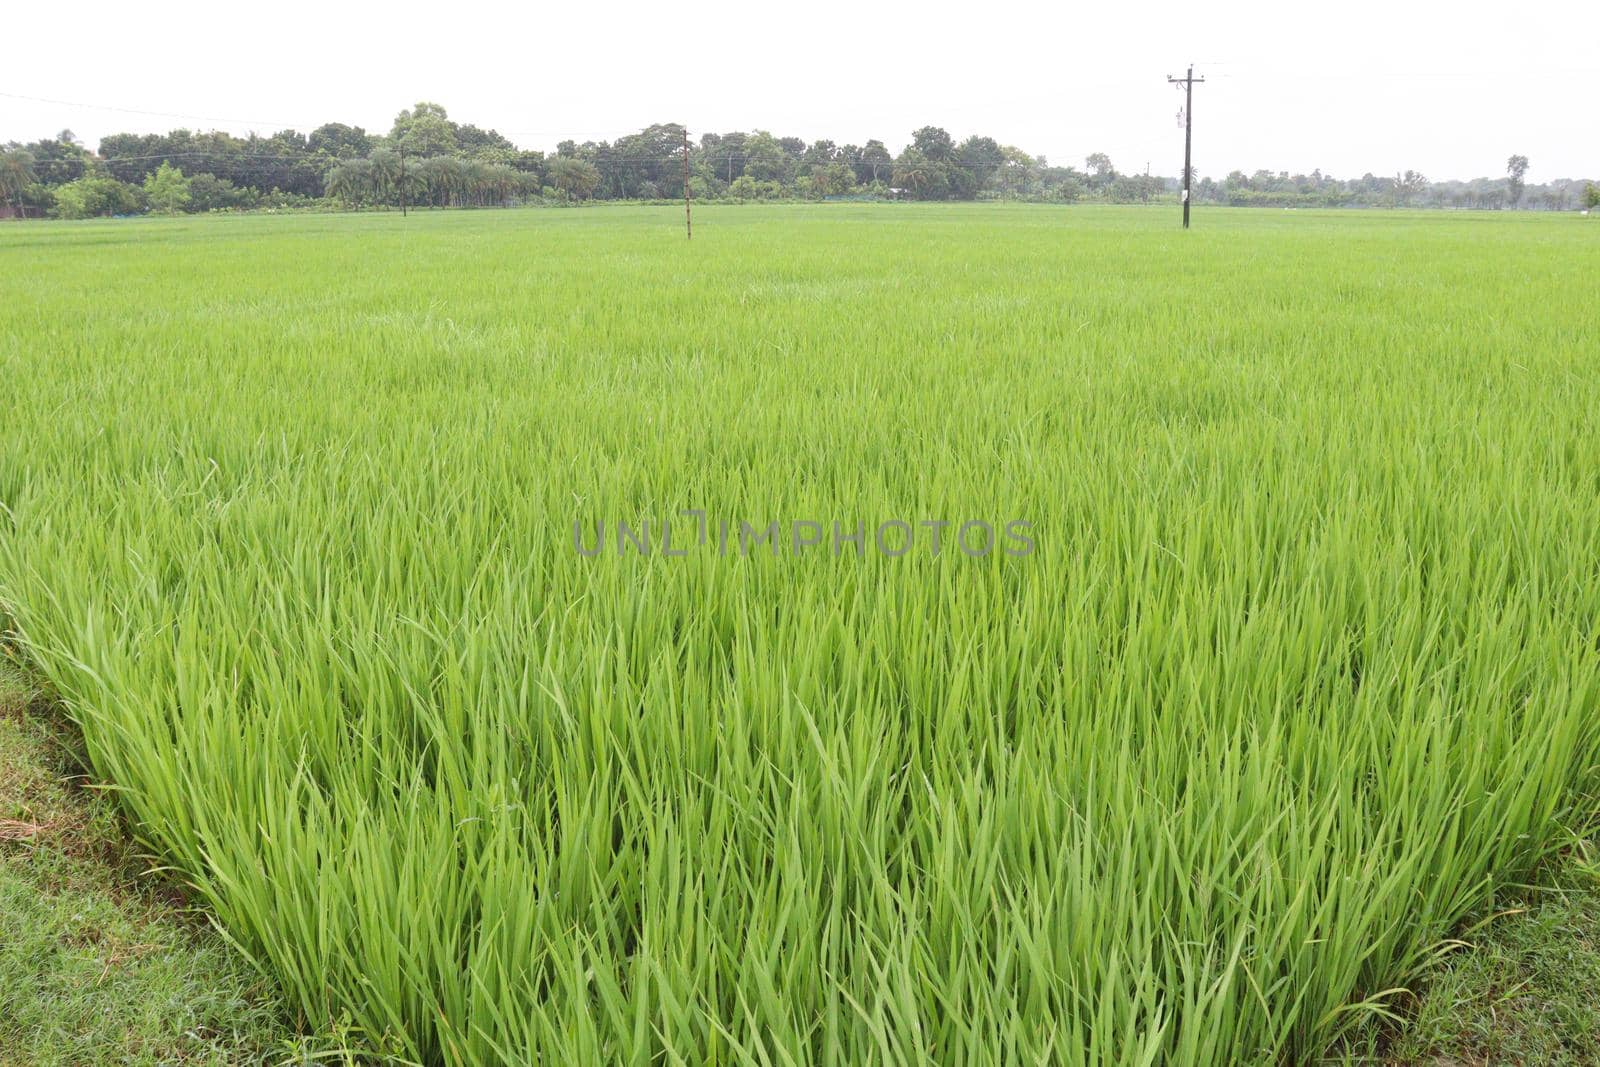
(90, 197)
(167, 190)
(424, 131)
(1306, 664)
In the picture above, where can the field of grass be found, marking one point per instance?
(1304, 665)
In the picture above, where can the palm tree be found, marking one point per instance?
(531, 184)
(434, 172)
(911, 171)
(455, 177)
(385, 170)
(349, 180)
(575, 178)
(502, 180)
(16, 174)
(478, 181)
(416, 185)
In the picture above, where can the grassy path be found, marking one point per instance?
(1523, 989)
(101, 962)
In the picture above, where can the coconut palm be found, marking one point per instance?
(502, 183)
(913, 171)
(350, 181)
(385, 170)
(477, 181)
(416, 184)
(455, 179)
(434, 173)
(16, 174)
(575, 178)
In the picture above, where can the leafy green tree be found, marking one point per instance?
(977, 162)
(1066, 185)
(1591, 196)
(338, 141)
(425, 130)
(834, 179)
(1101, 171)
(531, 164)
(652, 156)
(282, 161)
(819, 154)
(765, 159)
(875, 164)
(1407, 186)
(167, 190)
(472, 141)
(934, 143)
(95, 196)
(745, 187)
(1018, 174)
(59, 160)
(1516, 175)
(724, 155)
(207, 192)
(1132, 189)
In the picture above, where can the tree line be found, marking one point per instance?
(429, 160)
(1409, 189)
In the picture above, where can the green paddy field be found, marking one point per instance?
(298, 517)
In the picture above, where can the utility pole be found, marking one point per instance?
(688, 223)
(1188, 132)
(402, 180)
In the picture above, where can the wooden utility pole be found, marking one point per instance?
(1188, 82)
(688, 223)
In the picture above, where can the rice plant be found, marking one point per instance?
(1304, 663)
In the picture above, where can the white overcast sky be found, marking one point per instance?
(1348, 87)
